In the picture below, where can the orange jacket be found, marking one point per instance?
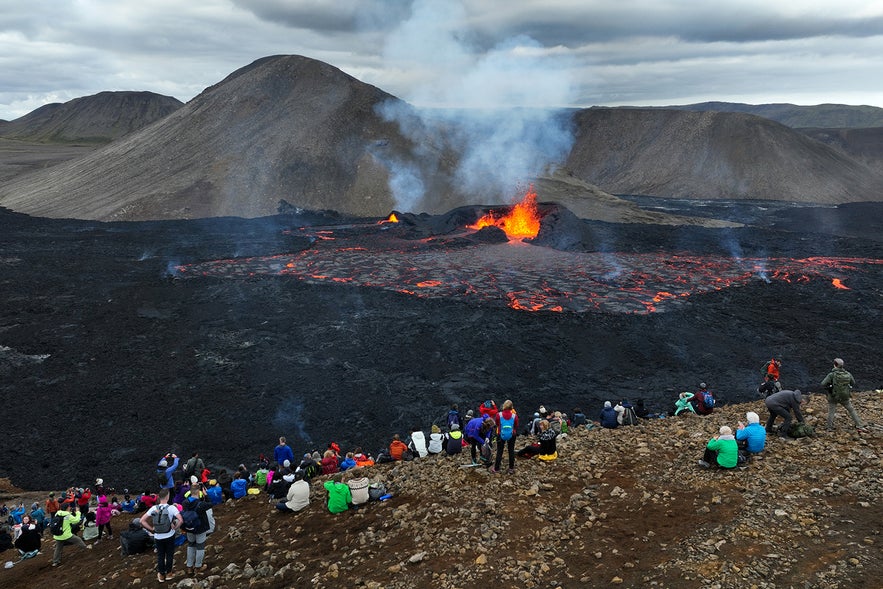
(396, 449)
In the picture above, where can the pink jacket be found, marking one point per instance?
(103, 514)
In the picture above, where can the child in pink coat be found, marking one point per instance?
(102, 517)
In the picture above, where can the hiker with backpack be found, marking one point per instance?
(163, 520)
(507, 430)
(194, 466)
(164, 469)
(721, 450)
(454, 416)
(195, 523)
(782, 404)
(768, 386)
(771, 369)
(838, 386)
(703, 400)
(60, 526)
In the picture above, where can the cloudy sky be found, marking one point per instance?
(456, 52)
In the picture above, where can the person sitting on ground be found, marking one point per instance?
(362, 459)
(555, 421)
(180, 491)
(214, 492)
(782, 404)
(752, 438)
(640, 410)
(128, 505)
(298, 496)
(339, 496)
(436, 441)
(29, 539)
(358, 489)
(768, 386)
(548, 446)
(684, 404)
(454, 441)
(534, 428)
(397, 448)
(721, 450)
(145, 501)
(310, 467)
(239, 486)
(348, 462)
(703, 400)
(38, 516)
(579, 418)
(417, 443)
(244, 473)
(329, 463)
(608, 416)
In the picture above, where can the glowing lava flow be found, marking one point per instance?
(522, 221)
(839, 284)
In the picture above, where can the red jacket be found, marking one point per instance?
(83, 499)
(507, 414)
(330, 465)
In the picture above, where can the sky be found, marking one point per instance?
(550, 53)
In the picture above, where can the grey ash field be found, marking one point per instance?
(109, 358)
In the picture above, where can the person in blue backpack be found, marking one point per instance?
(607, 417)
(196, 534)
(454, 417)
(703, 400)
(507, 428)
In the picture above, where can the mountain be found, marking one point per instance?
(792, 115)
(283, 128)
(100, 118)
(712, 155)
(865, 145)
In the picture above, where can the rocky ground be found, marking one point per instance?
(627, 507)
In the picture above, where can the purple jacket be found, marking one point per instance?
(473, 430)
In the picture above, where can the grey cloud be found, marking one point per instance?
(330, 16)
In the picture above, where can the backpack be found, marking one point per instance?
(840, 386)
(56, 525)
(192, 521)
(507, 427)
(162, 523)
(708, 400)
(629, 417)
(801, 430)
(161, 477)
(134, 542)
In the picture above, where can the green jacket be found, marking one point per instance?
(339, 496)
(727, 451)
(69, 520)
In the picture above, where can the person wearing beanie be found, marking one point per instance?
(751, 437)
(453, 440)
(436, 441)
(607, 417)
(721, 450)
(838, 386)
(782, 404)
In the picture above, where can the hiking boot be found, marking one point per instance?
(160, 578)
(511, 471)
(704, 464)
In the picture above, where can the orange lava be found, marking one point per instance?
(522, 221)
(391, 219)
(839, 284)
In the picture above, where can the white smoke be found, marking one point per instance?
(499, 108)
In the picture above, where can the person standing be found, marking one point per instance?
(507, 428)
(194, 466)
(51, 505)
(782, 404)
(164, 469)
(283, 452)
(838, 385)
(163, 520)
(67, 536)
(196, 537)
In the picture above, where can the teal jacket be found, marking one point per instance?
(727, 450)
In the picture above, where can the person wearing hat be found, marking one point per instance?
(782, 404)
(214, 492)
(164, 469)
(838, 385)
(751, 438)
(721, 450)
(436, 441)
(51, 505)
(454, 440)
(534, 428)
(102, 517)
(608, 418)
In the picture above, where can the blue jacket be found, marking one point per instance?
(283, 453)
(755, 434)
(239, 487)
(608, 418)
(170, 482)
(215, 494)
(473, 430)
(347, 463)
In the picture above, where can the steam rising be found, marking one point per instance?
(500, 110)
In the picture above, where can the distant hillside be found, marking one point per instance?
(713, 155)
(792, 115)
(863, 144)
(100, 118)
